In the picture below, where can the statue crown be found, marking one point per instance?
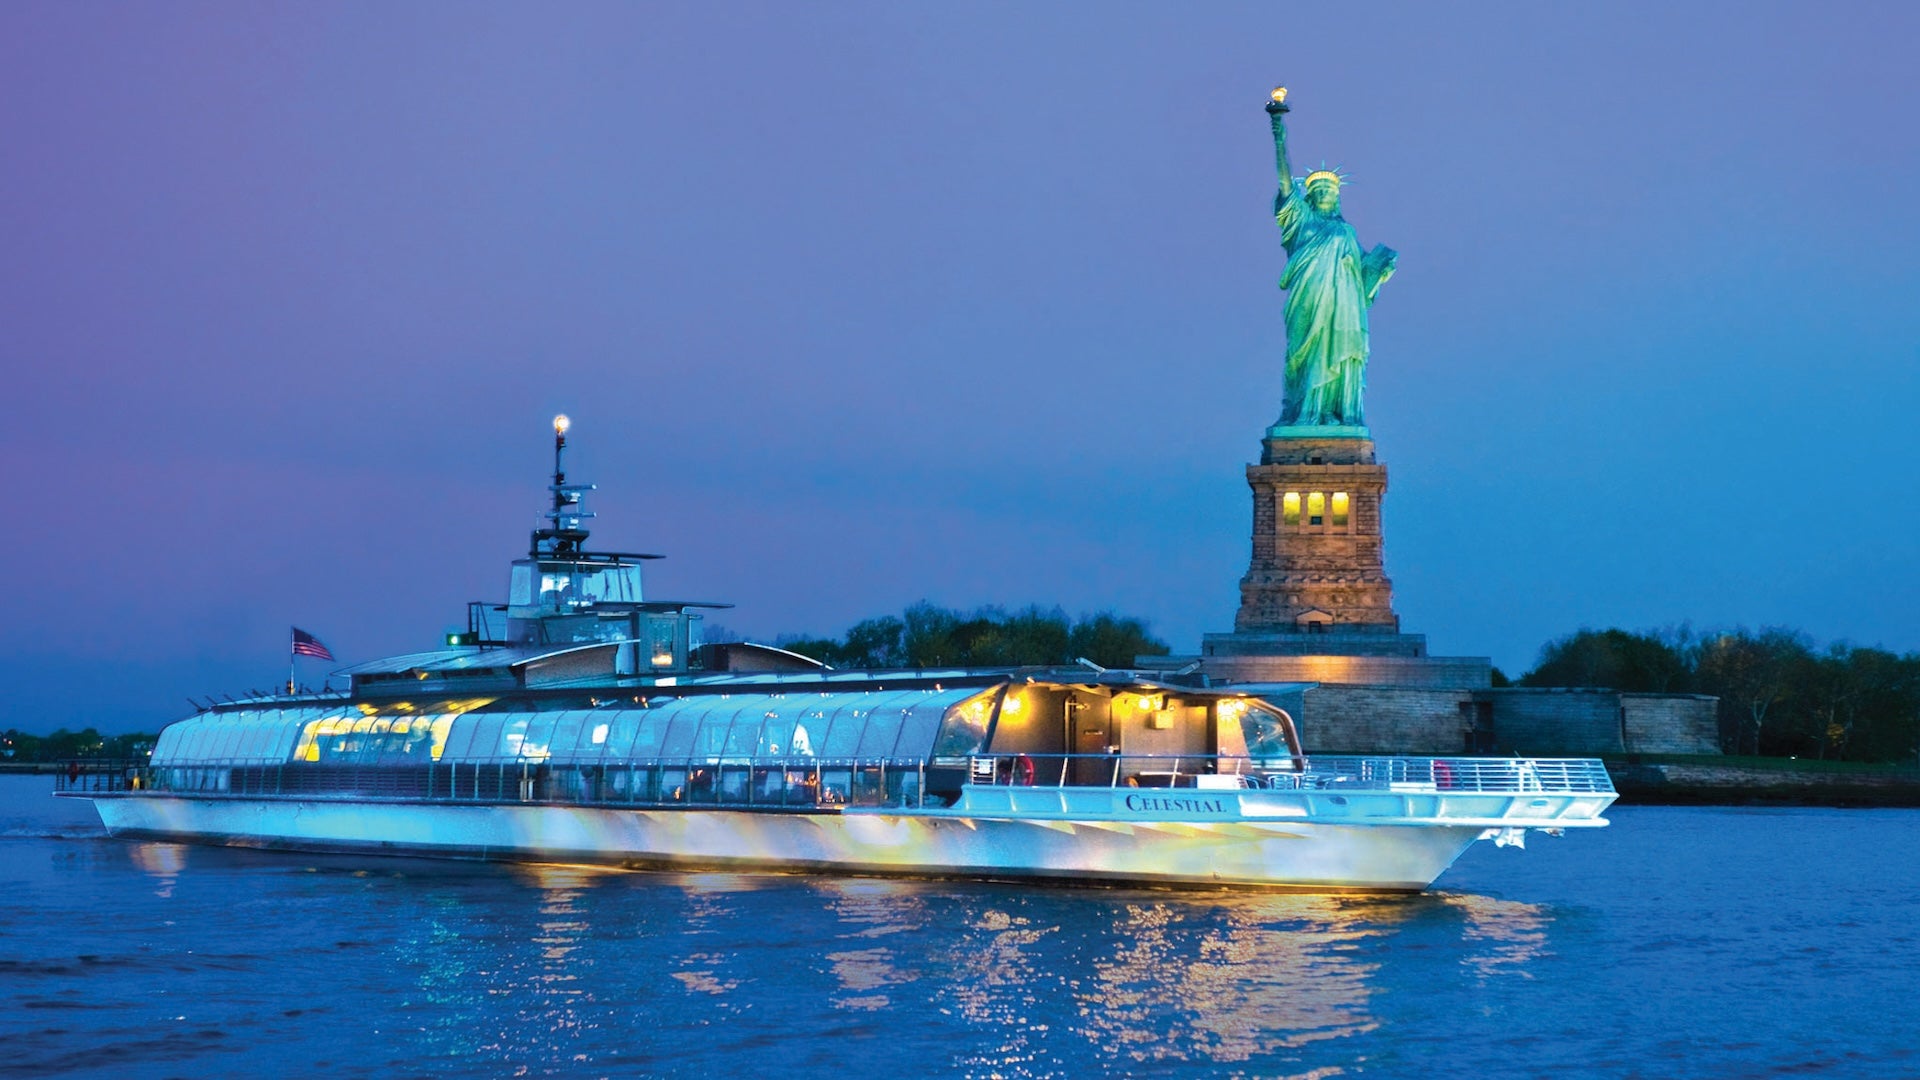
(1323, 176)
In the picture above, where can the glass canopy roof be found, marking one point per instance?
(892, 725)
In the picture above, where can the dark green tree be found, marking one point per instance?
(1615, 660)
(1753, 675)
(1113, 641)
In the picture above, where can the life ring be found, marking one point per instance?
(1023, 770)
(1442, 775)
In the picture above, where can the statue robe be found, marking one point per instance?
(1329, 285)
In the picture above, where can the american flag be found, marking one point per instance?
(305, 644)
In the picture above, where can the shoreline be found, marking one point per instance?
(1753, 782)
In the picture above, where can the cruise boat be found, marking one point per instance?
(583, 722)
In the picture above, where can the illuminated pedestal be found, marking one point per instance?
(1316, 604)
(1317, 568)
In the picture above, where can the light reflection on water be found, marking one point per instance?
(161, 862)
(1134, 980)
(194, 961)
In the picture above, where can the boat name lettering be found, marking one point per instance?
(1185, 806)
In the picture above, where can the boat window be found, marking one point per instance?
(235, 733)
(685, 715)
(1265, 733)
(219, 734)
(919, 725)
(785, 735)
(882, 732)
(712, 740)
(490, 741)
(660, 635)
(845, 716)
(650, 733)
(1231, 739)
(458, 741)
(189, 734)
(596, 727)
(556, 589)
(281, 741)
(223, 736)
(441, 729)
(168, 744)
(623, 725)
(206, 738)
(963, 728)
(565, 744)
(536, 741)
(617, 584)
(207, 746)
(259, 734)
(308, 749)
(744, 737)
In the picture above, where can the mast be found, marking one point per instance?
(565, 533)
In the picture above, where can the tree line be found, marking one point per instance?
(64, 745)
(928, 636)
(1780, 694)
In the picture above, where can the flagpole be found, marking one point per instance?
(290, 657)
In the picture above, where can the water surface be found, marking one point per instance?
(1676, 943)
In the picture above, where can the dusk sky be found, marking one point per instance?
(860, 305)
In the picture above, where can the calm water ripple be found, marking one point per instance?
(1677, 943)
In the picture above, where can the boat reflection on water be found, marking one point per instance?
(606, 965)
(162, 862)
(546, 967)
(869, 914)
(1501, 937)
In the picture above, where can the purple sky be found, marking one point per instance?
(970, 303)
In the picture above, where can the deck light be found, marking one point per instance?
(561, 424)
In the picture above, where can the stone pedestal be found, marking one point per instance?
(1316, 604)
(1317, 562)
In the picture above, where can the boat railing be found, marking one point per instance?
(99, 775)
(803, 782)
(1501, 776)
(812, 782)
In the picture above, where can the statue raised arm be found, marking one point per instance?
(1330, 284)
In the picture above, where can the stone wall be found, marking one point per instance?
(1671, 723)
(1383, 720)
(1442, 720)
(1547, 723)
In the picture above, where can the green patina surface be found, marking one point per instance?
(1330, 284)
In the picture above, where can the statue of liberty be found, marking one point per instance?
(1329, 285)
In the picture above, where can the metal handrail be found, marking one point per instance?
(817, 782)
(1502, 776)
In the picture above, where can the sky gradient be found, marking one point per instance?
(968, 303)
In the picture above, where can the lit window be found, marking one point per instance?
(1340, 507)
(1290, 507)
(1316, 508)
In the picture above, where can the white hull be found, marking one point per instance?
(1299, 840)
